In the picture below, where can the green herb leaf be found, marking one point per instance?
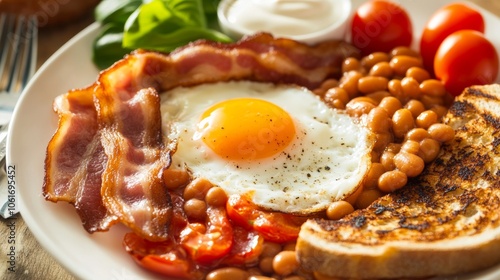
(161, 25)
(107, 47)
(115, 11)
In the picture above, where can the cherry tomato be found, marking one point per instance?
(466, 58)
(162, 257)
(380, 26)
(247, 247)
(443, 22)
(273, 226)
(215, 243)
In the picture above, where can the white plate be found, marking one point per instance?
(57, 226)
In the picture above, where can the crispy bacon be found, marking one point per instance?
(108, 154)
(132, 185)
(76, 160)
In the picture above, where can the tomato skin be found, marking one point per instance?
(162, 257)
(445, 21)
(466, 58)
(380, 25)
(273, 226)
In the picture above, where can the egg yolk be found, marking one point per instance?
(246, 128)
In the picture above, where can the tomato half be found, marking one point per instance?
(215, 243)
(466, 58)
(164, 257)
(273, 226)
(443, 22)
(380, 26)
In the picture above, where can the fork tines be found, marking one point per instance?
(18, 45)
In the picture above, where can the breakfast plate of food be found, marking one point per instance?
(237, 159)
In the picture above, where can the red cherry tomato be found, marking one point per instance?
(443, 22)
(466, 58)
(215, 243)
(273, 226)
(380, 26)
(164, 257)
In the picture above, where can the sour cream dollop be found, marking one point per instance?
(304, 20)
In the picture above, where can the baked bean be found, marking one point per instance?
(270, 249)
(319, 92)
(266, 265)
(378, 95)
(338, 104)
(367, 197)
(338, 210)
(432, 87)
(225, 273)
(410, 146)
(391, 104)
(426, 119)
(175, 178)
(371, 84)
(329, 83)
(392, 180)
(440, 110)
(396, 89)
(370, 60)
(197, 189)
(410, 164)
(382, 69)
(416, 107)
(371, 179)
(429, 149)
(402, 122)
(397, 51)
(285, 263)
(260, 277)
(393, 147)
(417, 134)
(351, 64)
(195, 208)
(337, 93)
(431, 101)
(359, 106)
(387, 160)
(216, 196)
(349, 82)
(378, 120)
(417, 73)
(382, 140)
(411, 88)
(354, 196)
(401, 63)
(441, 132)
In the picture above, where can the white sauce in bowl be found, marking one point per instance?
(310, 21)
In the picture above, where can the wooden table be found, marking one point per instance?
(32, 261)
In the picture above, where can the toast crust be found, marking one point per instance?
(445, 222)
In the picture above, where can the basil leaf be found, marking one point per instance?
(167, 42)
(116, 11)
(164, 25)
(107, 47)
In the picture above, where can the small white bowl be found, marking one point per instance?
(335, 31)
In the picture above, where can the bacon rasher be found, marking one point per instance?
(107, 155)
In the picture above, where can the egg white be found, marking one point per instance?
(326, 161)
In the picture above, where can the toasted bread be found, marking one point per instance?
(444, 222)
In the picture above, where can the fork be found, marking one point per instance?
(18, 45)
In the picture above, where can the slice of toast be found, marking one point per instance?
(445, 222)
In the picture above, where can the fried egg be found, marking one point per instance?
(278, 144)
